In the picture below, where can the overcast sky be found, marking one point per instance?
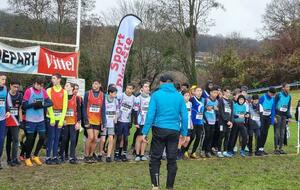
(242, 16)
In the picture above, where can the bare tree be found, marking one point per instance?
(187, 17)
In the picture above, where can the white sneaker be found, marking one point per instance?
(144, 158)
(137, 159)
(220, 155)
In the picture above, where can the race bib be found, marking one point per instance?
(227, 110)
(283, 109)
(2, 102)
(57, 113)
(70, 113)
(144, 110)
(94, 109)
(255, 118)
(111, 114)
(267, 112)
(210, 122)
(14, 111)
(199, 116)
(221, 127)
(126, 108)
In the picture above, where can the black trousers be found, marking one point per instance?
(12, 143)
(216, 136)
(265, 125)
(236, 129)
(209, 135)
(68, 137)
(199, 133)
(257, 135)
(161, 139)
(223, 137)
(279, 131)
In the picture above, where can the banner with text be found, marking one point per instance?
(19, 60)
(120, 52)
(52, 62)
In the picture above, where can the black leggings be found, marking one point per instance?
(209, 135)
(12, 142)
(199, 133)
(29, 144)
(223, 137)
(125, 143)
(236, 129)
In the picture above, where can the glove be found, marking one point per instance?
(38, 105)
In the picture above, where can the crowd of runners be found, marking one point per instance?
(222, 122)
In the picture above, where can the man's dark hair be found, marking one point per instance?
(130, 84)
(185, 84)
(226, 88)
(284, 84)
(76, 85)
(39, 80)
(58, 75)
(143, 82)
(255, 97)
(14, 81)
(111, 89)
(97, 80)
(272, 90)
(215, 88)
(184, 92)
(166, 78)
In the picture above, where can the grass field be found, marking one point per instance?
(269, 172)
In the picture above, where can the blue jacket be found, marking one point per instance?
(167, 110)
(283, 100)
(197, 110)
(263, 102)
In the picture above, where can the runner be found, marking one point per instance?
(35, 100)
(14, 101)
(126, 103)
(141, 108)
(72, 124)
(4, 113)
(56, 117)
(94, 118)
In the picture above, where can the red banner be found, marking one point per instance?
(52, 62)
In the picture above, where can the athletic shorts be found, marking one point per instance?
(122, 129)
(32, 127)
(108, 131)
(139, 130)
(95, 127)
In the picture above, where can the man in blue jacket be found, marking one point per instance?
(168, 117)
(267, 110)
(282, 110)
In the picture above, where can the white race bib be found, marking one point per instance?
(70, 113)
(227, 110)
(199, 116)
(2, 102)
(111, 114)
(255, 118)
(126, 108)
(57, 113)
(267, 112)
(14, 111)
(94, 109)
(283, 109)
